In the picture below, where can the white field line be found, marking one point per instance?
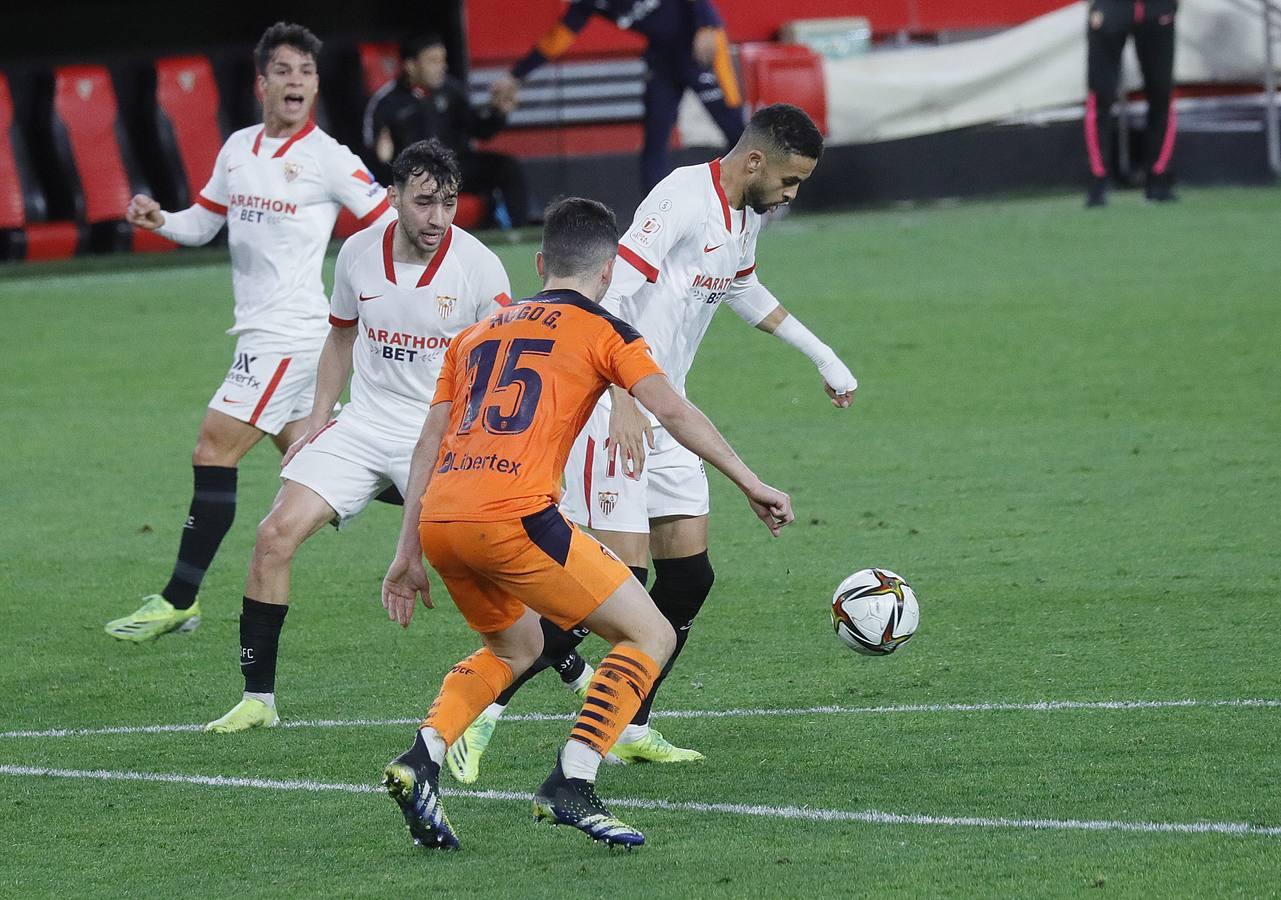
(1042, 706)
(809, 814)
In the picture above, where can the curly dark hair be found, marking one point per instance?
(429, 157)
(785, 129)
(285, 34)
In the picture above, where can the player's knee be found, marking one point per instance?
(278, 536)
(209, 451)
(206, 453)
(662, 640)
(681, 586)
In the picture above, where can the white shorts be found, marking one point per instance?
(672, 483)
(267, 390)
(348, 464)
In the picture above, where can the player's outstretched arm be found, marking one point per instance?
(406, 577)
(192, 227)
(755, 305)
(692, 429)
(332, 373)
(838, 381)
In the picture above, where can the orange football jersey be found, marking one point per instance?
(523, 383)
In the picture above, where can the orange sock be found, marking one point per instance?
(467, 689)
(621, 682)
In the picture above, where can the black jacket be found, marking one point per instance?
(413, 114)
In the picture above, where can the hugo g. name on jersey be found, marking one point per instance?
(281, 197)
(407, 316)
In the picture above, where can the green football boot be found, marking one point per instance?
(463, 758)
(653, 747)
(248, 713)
(155, 617)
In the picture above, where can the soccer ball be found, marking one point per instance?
(874, 611)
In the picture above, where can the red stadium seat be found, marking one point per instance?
(22, 203)
(84, 105)
(187, 120)
(379, 64)
(784, 73)
(94, 152)
(13, 213)
(473, 211)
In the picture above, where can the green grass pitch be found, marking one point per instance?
(1066, 437)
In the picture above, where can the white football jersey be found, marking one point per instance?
(685, 253)
(407, 315)
(281, 198)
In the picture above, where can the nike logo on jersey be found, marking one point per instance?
(226, 399)
(707, 249)
(363, 298)
(231, 169)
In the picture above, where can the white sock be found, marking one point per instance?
(268, 698)
(578, 760)
(633, 733)
(582, 680)
(435, 744)
(494, 710)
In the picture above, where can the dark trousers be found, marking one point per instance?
(484, 173)
(1111, 23)
(665, 84)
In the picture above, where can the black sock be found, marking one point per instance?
(260, 625)
(213, 509)
(680, 587)
(418, 756)
(559, 648)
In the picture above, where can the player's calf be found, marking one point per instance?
(681, 586)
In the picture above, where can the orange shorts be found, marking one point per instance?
(493, 570)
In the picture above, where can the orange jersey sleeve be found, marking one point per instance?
(448, 368)
(523, 383)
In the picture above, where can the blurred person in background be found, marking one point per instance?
(1111, 23)
(427, 102)
(687, 49)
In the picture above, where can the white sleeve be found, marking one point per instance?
(494, 290)
(191, 227)
(751, 302)
(352, 185)
(661, 221)
(343, 311)
(213, 196)
(746, 296)
(199, 223)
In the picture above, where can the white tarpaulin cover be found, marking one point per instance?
(891, 94)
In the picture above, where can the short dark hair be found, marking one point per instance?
(429, 157)
(412, 46)
(579, 236)
(785, 129)
(285, 34)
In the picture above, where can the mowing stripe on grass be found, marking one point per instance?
(810, 814)
(1041, 706)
